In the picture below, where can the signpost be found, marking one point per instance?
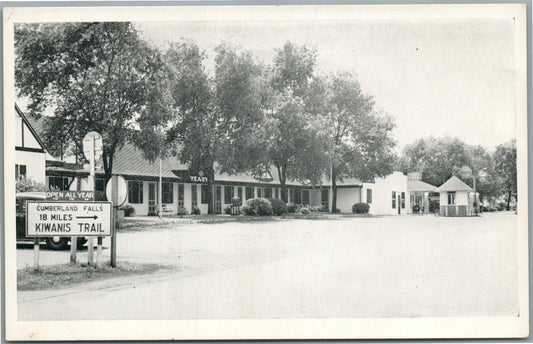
(116, 191)
(74, 219)
(92, 149)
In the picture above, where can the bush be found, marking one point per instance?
(306, 211)
(182, 211)
(291, 207)
(278, 206)
(236, 201)
(29, 185)
(323, 208)
(247, 210)
(195, 210)
(360, 208)
(260, 206)
(227, 210)
(128, 210)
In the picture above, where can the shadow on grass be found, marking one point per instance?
(63, 275)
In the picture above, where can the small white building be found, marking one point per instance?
(454, 198)
(387, 195)
(30, 154)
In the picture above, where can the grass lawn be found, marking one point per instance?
(64, 275)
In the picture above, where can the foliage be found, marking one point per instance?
(227, 210)
(260, 206)
(215, 118)
(505, 166)
(30, 185)
(128, 210)
(195, 210)
(278, 206)
(92, 76)
(247, 210)
(357, 135)
(292, 207)
(360, 208)
(182, 211)
(305, 211)
(323, 208)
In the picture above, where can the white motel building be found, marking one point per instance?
(395, 194)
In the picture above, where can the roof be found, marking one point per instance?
(129, 160)
(454, 184)
(30, 126)
(418, 185)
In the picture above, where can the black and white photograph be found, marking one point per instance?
(265, 172)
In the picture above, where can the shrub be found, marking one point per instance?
(128, 210)
(182, 211)
(291, 207)
(323, 208)
(227, 210)
(305, 211)
(195, 210)
(29, 185)
(278, 206)
(247, 210)
(360, 208)
(236, 201)
(260, 206)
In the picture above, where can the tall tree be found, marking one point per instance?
(215, 118)
(93, 76)
(505, 165)
(293, 142)
(436, 158)
(359, 142)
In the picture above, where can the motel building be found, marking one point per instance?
(456, 198)
(180, 188)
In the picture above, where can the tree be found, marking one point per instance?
(359, 142)
(438, 159)
(215, 119)
(505, 165)
(93, 76)
(294, 146)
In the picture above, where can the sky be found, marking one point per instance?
(434, 77)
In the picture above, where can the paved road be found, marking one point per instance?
(360, 267)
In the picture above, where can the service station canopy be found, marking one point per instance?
(48, 218)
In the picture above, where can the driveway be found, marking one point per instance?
(404, 266)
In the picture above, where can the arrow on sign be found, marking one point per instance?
(87, 217)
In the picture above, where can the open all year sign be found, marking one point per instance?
(68, 218)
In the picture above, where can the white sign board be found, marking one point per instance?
(47, 218)
(90, 139)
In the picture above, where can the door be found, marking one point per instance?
(152, 199)
(218, 199)
(399, 203)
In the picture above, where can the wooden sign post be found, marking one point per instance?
(116, 192)
(36, 242)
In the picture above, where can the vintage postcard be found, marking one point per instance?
(266, 172)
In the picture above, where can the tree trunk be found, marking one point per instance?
(210, 185)
(509, 199)
(282, 174)
(334, 189)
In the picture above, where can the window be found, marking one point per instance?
(168, 193)
(135, 191)
(393, 199)
(451, 197)
(194, 195)
(297, 196)
(369, 196)
(291, 194)
(99, 184)
(239, 193)
(305, 196)
(276, 193)
(58, 182)
(403, 200)
(268, 192)
(325, 197)
(249, 192)
(259, 192)
(228, 194)
(205, 192)
(284, 195)
(181, 196)
(20, 171)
